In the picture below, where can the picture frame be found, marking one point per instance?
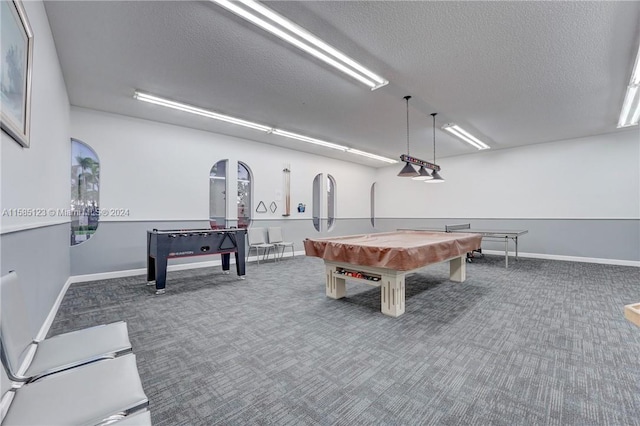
(16, 67)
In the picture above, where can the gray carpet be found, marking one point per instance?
(541, 343)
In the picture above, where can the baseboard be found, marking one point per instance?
(184, 266)
(142, 271)
(602, 261)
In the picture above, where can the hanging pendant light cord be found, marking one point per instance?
(434, 136)
(407, 99)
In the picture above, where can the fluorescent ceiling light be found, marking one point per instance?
(630, 113)
(465, 136)
(374, 156)
(198, 111)
(635, 75)
(281, 27)
(304, 138)
(141, 96)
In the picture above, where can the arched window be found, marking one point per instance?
(244, 196)
(221, 214)
(217, 195)
(315, 208)
(85, 192)
(373, 204)
(331, 202)
(324, 202)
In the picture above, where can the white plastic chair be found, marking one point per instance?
(275, 238)
(54, 354)
(256, 240)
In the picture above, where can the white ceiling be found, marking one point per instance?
(512, 73)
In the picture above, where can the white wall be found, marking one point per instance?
(592, 177)
(161, 172)
(579, 199)
(38, 177)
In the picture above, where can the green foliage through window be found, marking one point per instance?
(85, 192)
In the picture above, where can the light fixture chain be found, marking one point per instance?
(407, 99)
(434, 137)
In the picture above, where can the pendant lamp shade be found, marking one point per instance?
(423, 174)
(436, 178)
(408, 171)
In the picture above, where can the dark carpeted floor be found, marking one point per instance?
(541, 343)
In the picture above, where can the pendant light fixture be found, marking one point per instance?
(436, 178)
(408, 170)
(423, 174)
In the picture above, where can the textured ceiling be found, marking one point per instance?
(512, 73)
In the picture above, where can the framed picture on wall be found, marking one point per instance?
(17, 58)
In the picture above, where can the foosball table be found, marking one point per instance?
(163, 245)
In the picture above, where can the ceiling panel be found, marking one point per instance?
(512, 73)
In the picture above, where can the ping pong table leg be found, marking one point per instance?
(516, 239)
(506, 252)
(458, 269)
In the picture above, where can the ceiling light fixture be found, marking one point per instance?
(141, 96)
(423, 174)
(435, 175)
(630, 113)
(408, 170)
(458, 131)
(307, 139)
(374, 156)
(292, 33)
(156, 100)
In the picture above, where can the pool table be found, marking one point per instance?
(383, 259)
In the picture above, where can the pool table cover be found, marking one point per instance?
(399, 250)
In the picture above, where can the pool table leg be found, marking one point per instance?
(336, 287)
(392, 293)
(458, 269)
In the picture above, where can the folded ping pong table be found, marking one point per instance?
(495, 234)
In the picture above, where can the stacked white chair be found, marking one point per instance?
(275, 238)
(257, 241)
